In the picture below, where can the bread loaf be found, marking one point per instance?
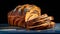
(29, 17)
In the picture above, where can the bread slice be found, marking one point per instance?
(42, 26)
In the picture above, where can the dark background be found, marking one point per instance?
(47, 6)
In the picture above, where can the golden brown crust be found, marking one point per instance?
(29, 17)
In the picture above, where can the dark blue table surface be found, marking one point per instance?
(5, 28)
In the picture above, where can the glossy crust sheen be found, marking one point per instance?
(29, 17)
